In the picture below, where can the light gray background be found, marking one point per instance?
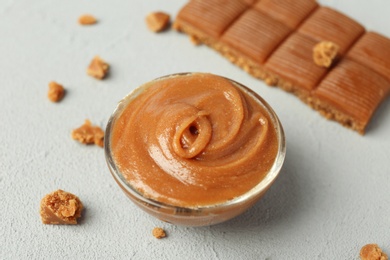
(331, 198)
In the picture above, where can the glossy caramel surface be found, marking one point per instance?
(353, 89)
(212, 17)
(373, 51)
(327, 24)
(293, 61)
(193, 140)
(256, 35)
(290, 13)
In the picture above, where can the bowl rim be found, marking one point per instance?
(262, 186)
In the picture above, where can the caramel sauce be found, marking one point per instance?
(193, 140)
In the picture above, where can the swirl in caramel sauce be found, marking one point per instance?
(193, 140)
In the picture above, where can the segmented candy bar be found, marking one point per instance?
(274, 40)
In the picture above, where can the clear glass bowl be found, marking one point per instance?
(203, 215)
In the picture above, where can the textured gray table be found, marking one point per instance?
(332, 196)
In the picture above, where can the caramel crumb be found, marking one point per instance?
(270, 81)
(195, 40)
(87, 19)
(157, 21)
(60, 208)
(176, 27)
(372, 252)
(56, 92)
(88, 134)
(98, 68)
(324, 53)
(159, 233)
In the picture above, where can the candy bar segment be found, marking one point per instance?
(290, 13)
(326, 24)
(211, 17)
(293, 62)
(350, 94)
(255, 35)
(373, 51)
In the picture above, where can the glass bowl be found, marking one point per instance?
(200, 215)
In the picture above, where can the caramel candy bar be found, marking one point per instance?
(275, 40)
(350, 93)
(60, 208)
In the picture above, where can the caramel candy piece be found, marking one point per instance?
(157, 21)
(353, 90)
(255, 35)
(212, 16)
(56, 92)
(373, 51)
(372, 252)
(87, 19)
(324, 53)
(60, 208)
(290, 13)
(89, 134)
(326, 24)
(159, 233)
(293, 61)
(98, 68)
